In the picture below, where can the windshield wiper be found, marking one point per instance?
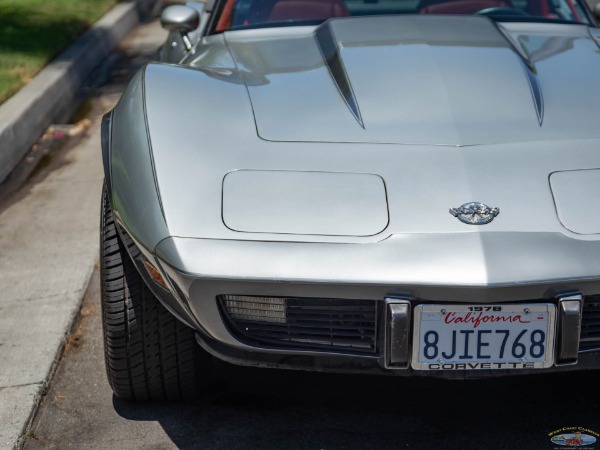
(278, 24)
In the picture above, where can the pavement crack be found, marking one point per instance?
(41, 297)
(21, 385)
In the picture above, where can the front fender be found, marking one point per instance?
(105, 145)
(129, 167)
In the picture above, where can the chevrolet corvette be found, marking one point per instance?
(400, 187)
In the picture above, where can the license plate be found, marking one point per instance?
(475, 337)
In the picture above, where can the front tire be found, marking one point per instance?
(149, 354)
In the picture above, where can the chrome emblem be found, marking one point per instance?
(475, 213)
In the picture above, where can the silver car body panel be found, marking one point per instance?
(329, 203)
(217, 114)
(441, 117)
(466, 268)
(135, 197)
(575, 194)
(422, 80)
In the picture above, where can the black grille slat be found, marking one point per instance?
(341, 335)
(325, 313)
(590, 324)
(314, 324)
(325, 317)
(275, 337)
(309, 345)
(318, 320)
(300, 327)
(595, 345)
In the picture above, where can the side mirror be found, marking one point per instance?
(597, 11)
(180, 19)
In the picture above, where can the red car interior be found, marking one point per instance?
(461, 6)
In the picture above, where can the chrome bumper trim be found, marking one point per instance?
(397, 333)
(570, 309)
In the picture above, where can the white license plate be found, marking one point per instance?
(475, 337)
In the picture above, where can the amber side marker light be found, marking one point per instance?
(155, 274)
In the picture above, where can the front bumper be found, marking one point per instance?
(534, 268)
(324, 362)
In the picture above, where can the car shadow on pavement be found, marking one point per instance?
(270, 409)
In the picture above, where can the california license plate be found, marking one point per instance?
(475, 337)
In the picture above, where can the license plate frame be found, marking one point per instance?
(427, 313)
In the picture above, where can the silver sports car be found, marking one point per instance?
(402, 187)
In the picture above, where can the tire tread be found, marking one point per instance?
(149, 354)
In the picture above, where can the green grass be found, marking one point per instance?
(32, 32)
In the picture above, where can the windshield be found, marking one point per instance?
(236, 14)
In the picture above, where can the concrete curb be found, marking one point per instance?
(51, 97)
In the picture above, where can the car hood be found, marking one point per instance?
(421, 80)
(217, 179)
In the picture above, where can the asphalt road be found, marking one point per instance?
(271, 409)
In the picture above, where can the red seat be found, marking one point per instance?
(307, 10)
(540, 8)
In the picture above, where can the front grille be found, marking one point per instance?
(590, 324)
(348, 326)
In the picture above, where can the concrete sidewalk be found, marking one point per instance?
(48, 250)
